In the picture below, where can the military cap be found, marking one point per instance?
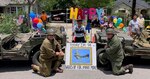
(51, 31)
(110, 31)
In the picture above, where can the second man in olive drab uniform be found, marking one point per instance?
(114, 53)
(50, 54)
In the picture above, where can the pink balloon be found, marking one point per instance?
(92, 12)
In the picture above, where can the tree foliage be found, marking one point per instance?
(7, 23)
(63, 4)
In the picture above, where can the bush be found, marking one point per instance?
(7, 23)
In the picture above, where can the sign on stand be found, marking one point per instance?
(81, 56)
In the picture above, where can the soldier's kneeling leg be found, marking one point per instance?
(117, 69)
(45, 70)
(58, 62)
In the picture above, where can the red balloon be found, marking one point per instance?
(36, 20)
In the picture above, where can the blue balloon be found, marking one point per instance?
(114, 17)
(39, 25)
(32, 15)
(119, 20)
(88, 27)
(101, 22)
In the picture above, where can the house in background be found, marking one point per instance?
(125, 6)
(14, 6)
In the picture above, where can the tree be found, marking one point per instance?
(30, 3)
(95, 3)
(47, 5)
(147, 0)
(63, 4)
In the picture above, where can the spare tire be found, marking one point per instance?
(128, 49)
(35, 59)
(99, 51)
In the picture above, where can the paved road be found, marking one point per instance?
(22, 70)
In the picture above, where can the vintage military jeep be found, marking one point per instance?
(23, 46)
(132, 47)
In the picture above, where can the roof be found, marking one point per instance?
(7, 2)
(140, 4)
(4, 2)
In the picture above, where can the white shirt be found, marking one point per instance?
(134, 25)
(141, 21)
(79, 32)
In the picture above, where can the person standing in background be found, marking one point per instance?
(141, 21)
(79, 32)
(44, 18)
(134, 27)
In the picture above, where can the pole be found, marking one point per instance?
(133, 8)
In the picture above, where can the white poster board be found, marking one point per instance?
(80, 56)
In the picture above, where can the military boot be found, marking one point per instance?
(35, 68)
(129, 67)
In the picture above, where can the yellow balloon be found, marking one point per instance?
(115, 20)
(87, 38)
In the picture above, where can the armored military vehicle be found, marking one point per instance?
(132, 47)
(23, 46)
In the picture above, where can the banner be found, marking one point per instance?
(80, 14)
(81, 56)
(92, 12)
(73, 13)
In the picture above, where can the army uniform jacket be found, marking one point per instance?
(115, 51)
(48, 49)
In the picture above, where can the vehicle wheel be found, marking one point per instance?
(99, 51)
(35, 59)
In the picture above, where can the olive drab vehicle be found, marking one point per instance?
(23, 46)
(132, 46)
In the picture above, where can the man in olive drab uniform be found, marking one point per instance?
(114, 53)
(50, 51)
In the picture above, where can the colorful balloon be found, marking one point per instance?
(117, 24)
(119, 20)
(102, 22)
(115, 20)
(39, 25)
(121, 25)
(43, 29)
(35, 25)
(32, 15)
(73, 13)
(35, 20)
(124, 29)
(40, 21)
(114, 17)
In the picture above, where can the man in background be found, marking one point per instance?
(141, 21)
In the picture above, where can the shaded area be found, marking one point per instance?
(137, 62)
(10, 66)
